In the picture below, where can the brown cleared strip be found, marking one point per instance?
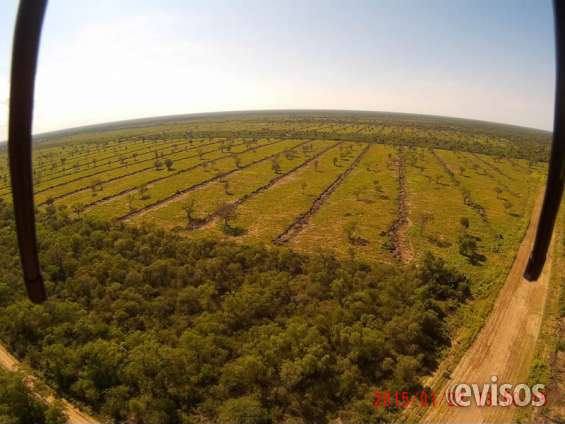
(398, 229)
(297, 226)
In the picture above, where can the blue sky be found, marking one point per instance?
(105, 60)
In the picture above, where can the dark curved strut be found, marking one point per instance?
(556, 173)
(24, 61)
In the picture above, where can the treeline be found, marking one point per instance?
(510, 145)
(147, 327)
(402, 129)
(19, 406)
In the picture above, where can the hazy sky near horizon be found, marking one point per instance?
(108, 60)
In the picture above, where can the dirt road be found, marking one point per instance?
(505, 346)
(8, 362)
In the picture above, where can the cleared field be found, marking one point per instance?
(356, 218)
(215, 166)
(180, 160)
(235, 188)
(376, 187)
(292, 196)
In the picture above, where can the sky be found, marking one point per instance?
(108, 60)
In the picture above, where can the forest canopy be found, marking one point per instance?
(19, 406)
(143, 325)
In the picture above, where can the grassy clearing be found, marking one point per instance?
(171, 149)
(232, 188)
(179, 158)
(356, 217)
(175, 184)
(290, 197)
(507, 203)
(133, 182)
(435, 206)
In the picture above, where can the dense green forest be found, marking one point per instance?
(145, 326)
(19, 406)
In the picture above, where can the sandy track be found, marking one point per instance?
(506, 345)
(74, 415)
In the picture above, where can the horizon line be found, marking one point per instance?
(51, 133)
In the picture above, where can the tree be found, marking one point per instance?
(78, 208)
(189, 208)
(142, 191)
(303, 186)
(227, 212)
(226, 185)
(19, 406)
(55, 413)
(131, 199)
(158, 165)
(464, 221)
(96, 185)
(289, 154)
(243, 410)
(169, 164)
(425, 219)
(468, 247)
(276, 166)
(350, 230)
